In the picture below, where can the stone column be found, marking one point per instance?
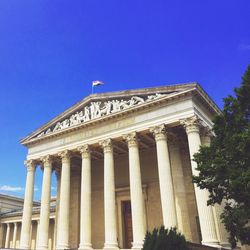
(109, 196)
(85, 226)
(1, 235)
(37, 230)
(207, 224)
(43, 233)
(64, 205)
(58, 178)
(222, 234)
(7, 238)
(27, 207)
(14, 235)
(54, 234)
(136, 193)
(165, 177)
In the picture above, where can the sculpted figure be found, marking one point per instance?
(95, 109)
(116, 106)
(73, 119)
(80, 117)
(65, 124)
(77, 118)
(131, 102)
(153, 97)
(137, 100)
(124, 104)
(41, 134)
(106, 108)
(57, 127)
(48, 131)
(86, 114)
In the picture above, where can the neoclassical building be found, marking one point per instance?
(123, 162)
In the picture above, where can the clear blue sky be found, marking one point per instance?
(50, 51)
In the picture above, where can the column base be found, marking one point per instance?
(137, 245)
(211, 244)
(85, 246)
(62, 247)
(110, 246)
(24, 247)
(41, 248)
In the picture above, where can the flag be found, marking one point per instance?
(96, 83)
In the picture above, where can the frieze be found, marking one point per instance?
(99, 109)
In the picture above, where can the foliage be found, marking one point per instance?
(164, 239)
(224, 167)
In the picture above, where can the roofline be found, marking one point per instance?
(16, 198)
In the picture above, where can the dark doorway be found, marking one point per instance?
(127, 224)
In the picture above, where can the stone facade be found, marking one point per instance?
(129, 147)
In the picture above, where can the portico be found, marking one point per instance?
(124, 166)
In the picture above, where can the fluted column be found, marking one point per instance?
(43, 233)
(109, 196)
(217, 209)
(64, 204)
(7, 238)
(14, 235)
(27, 207)
(207, 224)
(37, 229)
(85, 226)
(165, 177)
(136, 193)
(58, 178)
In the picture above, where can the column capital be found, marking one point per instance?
(47, 161)
(207, 132)
(159, 132)
(191, 124)
(107, 145)
(206, 135)
(31, 165)
(131, 139)
(85, 151)
(65, 155)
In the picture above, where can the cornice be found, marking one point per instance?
(201, 94)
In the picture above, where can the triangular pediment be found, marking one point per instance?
(98, 106)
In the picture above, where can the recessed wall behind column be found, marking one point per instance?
(75, 192)
(97, 205)
(150, 177)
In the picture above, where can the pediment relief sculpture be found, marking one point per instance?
(98, 109)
